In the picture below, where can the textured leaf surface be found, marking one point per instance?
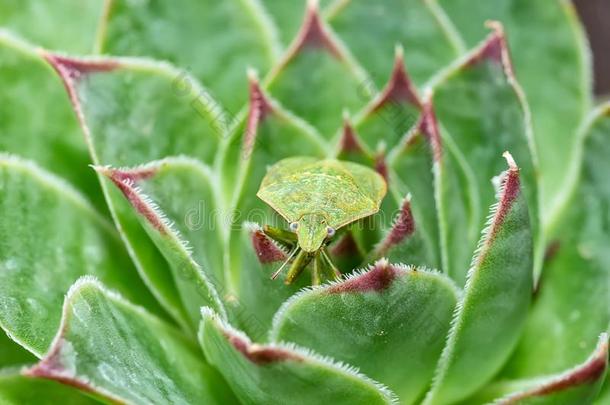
(59, 24)
(576, 386)
(287, 15)
(273, 374)
(552, 66)
(386, 119)
(172, 198)
(214, 40)
(117, 351)
(316, 78)
(267, 135)
(169, 114)
(11, 354)
(50, 236)
(258, 296)
(572, 302)
(389, 321)
(18, 390)
(372, 29)
(481, 106)
(490, 316)
(36, 121)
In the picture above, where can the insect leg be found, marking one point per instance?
(278, 271)
(298, 265)
(318, 269)
(329, 265)
(280, 235)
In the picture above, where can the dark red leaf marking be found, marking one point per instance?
(266, 250)
(403, 227)
(381, 166)
(350, 142)
(377, 279)
(261, 355)
(345, 246)
(260, 107)
(399, 88)
(588, 373)
(313, 34)
(428, 126)
(125, 181)
(494, 49)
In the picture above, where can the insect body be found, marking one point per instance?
(318, 197)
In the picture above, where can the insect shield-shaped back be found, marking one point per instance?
(317, 197)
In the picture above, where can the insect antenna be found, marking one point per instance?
(278, 271)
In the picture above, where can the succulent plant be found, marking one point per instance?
(136, 258)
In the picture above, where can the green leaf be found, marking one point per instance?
(576, 386)
(571, 305)
(59, 24)
(11, 354)
(36, 121)
(171, 198)
(258, 297)
(550, 66)
(411, 173)
(480, 104)
(490, 316)
(127, 108)
(214, 40)
(287, 16)
(389, 321)
(267, 135)
(279, 374)
(18, 390)
(387, 118)
(317, 68)
(50, 236)
(119, 352)
(371, 30)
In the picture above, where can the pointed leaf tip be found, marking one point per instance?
(403, 227)
(381, 166)
(428, 125)
(266, 249)
(259, 354)
(71, 68)
(260, 107)
(378, 278)
(494, 49)
(313, 33)
(399, 88)
(509, 191)
(589, 372)
(350, 141)
(125, 181)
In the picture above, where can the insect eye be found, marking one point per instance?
(330, 231)
(294, 226)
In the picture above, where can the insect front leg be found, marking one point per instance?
(298, 265)
(286, 238)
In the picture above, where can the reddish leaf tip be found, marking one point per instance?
(494, 48)
(346, 246)
(377, 279)
(125, 181)
(74, 69)
(266, 250)
(260, 107)
(510, 189)
(259, 354)
(313, 33)
(404, 226)
(381, 166)
(399, 88)
(589, 372)
(428, 125)
(350, 141)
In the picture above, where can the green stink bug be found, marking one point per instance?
(317, 197)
